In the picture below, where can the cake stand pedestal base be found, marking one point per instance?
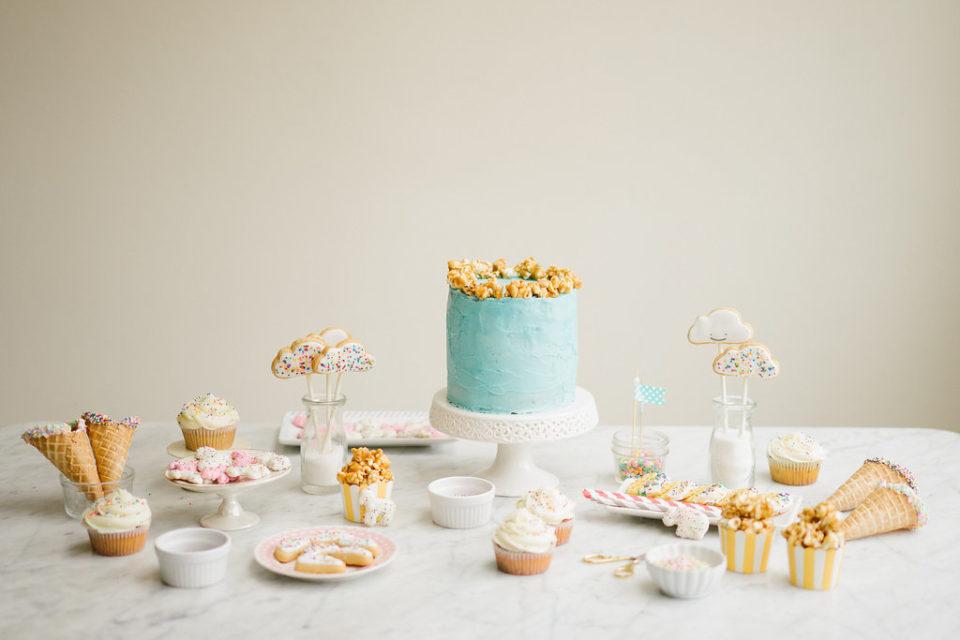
(230, 516)
(513, 472)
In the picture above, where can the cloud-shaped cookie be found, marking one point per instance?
(347, 356)
(751, 359)
(722, 325)
(333, 335)
(297, 359)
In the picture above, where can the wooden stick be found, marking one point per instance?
(743, 422)
(723, 395)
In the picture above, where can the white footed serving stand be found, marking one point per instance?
(230, 516)
(513, 472)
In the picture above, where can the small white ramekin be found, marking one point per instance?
(461, 502)
(193, 557)
(686, 583)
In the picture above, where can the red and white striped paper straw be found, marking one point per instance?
(617, 499)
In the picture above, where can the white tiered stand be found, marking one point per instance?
(513, 473)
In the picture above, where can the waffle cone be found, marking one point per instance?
(861, 484)
(72, 454)
(111, 443)
(881, 511)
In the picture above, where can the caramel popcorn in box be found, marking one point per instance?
(746, 510)
(818, 527)
(367, 467)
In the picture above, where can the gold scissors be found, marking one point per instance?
(624, 571)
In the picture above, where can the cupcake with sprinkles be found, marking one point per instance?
(208, 421)
(118, 524)
(795, 459)
(553, 508)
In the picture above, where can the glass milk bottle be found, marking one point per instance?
(323, 446)
(733, 459)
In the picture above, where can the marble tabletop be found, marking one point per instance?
(444, 582)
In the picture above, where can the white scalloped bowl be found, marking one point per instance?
(680, 583)
(461, 502)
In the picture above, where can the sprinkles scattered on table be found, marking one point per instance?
(682, 563)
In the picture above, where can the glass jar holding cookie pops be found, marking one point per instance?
(323, 446)
(733, 457)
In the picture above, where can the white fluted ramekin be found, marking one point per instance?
(685, 583)
(193, 557)
(461, 502)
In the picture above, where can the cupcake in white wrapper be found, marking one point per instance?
(523, 544)
(553, 508)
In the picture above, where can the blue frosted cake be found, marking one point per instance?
(511, 337)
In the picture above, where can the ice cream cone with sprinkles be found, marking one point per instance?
(890, 506)
(110, 440)
(67, 446)
(865, 480)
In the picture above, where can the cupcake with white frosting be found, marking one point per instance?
(553, 508)
(524, 544)
(208, 421)
(795, 459)
(118, 524)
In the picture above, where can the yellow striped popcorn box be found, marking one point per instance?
(746, 552)
(814, 568)
(352, 509)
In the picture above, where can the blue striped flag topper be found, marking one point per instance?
(648, 394)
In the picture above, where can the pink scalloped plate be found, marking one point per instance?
(263, 554)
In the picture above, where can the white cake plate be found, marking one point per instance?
(230, 516)
(513, 473)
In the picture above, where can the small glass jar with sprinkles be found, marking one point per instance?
(633, 458)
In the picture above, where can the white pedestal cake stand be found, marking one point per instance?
(230, 516)
(513, 472)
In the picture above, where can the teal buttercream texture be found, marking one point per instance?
(511, 355)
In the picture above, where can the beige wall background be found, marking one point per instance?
(185, 187)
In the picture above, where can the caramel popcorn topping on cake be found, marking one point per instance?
(479, 279)
(366, 468)
(746, 510)
(817, 528)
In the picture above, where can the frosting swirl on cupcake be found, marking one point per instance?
(207, 412)
(796, 447)
(119, 511)
(548, 503)
(526, 532)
